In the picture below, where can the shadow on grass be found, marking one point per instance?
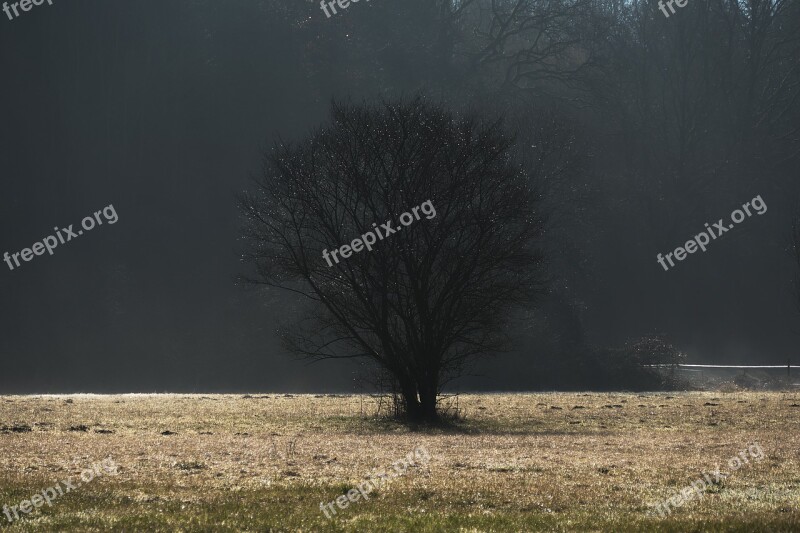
(450, 426)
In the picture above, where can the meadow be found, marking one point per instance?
(503, 462)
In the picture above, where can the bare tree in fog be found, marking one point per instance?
(429, 298)
(539, 47)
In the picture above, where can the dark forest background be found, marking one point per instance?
(164, 109)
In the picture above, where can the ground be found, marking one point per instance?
(510, 462)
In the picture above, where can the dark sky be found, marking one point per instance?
(164, 109)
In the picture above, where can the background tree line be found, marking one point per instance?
(670, 123)
(675, 122)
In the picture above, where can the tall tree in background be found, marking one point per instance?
(683, 117)
(426, 299)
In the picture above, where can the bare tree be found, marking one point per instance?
(535, 45)
(426, 299)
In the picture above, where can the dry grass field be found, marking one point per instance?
(510, 462)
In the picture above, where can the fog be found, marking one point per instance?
(165, 110)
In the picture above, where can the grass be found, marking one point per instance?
(514, 462)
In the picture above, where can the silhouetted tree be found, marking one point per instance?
(426, 299)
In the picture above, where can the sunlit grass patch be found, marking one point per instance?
(231, 463)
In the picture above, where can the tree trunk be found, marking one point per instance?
(428, 406)
(420, 407)
(412, 403)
